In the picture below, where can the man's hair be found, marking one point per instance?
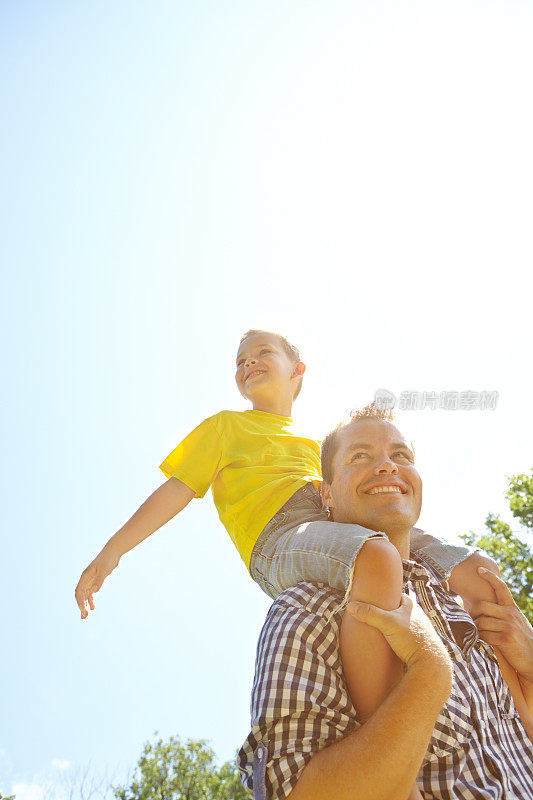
(330, 442)
(290, 350)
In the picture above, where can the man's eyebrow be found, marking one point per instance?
(365, 446)
(404, 445)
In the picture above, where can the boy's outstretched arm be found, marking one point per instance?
(167, 500)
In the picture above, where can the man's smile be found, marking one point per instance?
(386, 489)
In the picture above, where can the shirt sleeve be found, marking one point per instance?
(196, 460)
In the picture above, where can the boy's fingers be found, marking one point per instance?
(81, 599)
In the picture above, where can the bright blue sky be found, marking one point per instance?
(356, 175)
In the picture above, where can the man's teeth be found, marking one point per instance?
(379, 489)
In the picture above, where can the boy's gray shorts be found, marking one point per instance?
(300, 543)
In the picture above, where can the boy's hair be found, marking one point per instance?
(290, 350)
(330, 442)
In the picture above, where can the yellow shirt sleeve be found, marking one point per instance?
(195, 461)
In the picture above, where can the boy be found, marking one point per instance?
(265, 477)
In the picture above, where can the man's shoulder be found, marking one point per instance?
(306, 598)
(300, 632)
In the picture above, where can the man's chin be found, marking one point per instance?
(389, 523)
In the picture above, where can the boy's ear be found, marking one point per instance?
(299, 368)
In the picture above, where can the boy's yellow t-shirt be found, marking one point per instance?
(253, 460)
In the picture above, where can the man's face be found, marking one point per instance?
(375, 483)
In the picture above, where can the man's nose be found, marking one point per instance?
(386, 467)
(250, 361)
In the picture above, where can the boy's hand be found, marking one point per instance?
(92, 579)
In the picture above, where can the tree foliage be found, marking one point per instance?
(175, 771)
(514, 556)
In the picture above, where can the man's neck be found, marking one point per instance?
(401, 540)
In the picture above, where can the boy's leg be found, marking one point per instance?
(440, 554)
(371, 669)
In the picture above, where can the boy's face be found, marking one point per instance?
(264, 369)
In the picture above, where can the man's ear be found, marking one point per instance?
(299, 369)
(325, 491)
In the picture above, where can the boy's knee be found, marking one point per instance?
(466, 582)
(480, 559)
(378, 574)
(379, 553)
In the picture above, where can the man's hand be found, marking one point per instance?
(92, 579)
(407, 629)
(503, 625)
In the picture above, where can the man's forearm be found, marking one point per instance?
(381, 759)
(527, 688)
(167, 500)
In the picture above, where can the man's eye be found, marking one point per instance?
(357, 456)
(265, 351)
(403, 455)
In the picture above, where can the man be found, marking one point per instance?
(464, 740)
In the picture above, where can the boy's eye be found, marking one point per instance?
(242, 360)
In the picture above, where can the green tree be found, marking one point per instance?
(514, 557)
(229, 783)
(175, 771)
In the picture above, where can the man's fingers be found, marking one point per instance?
(364, 612)
(375, 616)
(489, 624)
(495, 638)
(503, 595)
(487, 609)
(407, 629)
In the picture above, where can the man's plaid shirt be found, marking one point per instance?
(479, 748)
